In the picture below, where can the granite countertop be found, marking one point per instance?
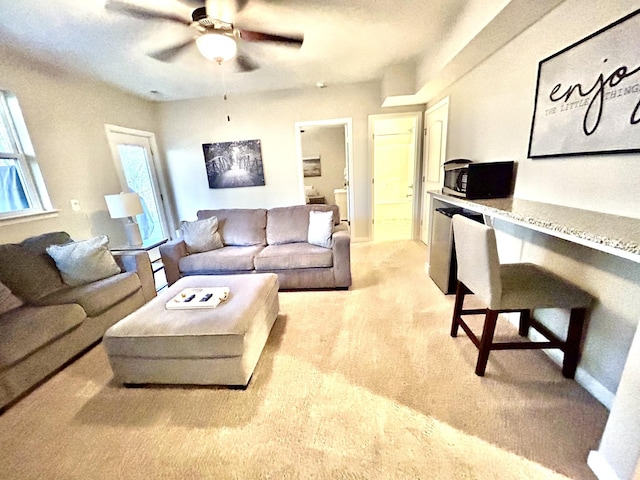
(613, 234)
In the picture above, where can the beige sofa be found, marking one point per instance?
(268, 241)
(50, 322)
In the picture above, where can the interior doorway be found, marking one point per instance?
(135, 158)
(435, 153)
(395, 151)
(325, 163)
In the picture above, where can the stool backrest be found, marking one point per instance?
(478, 263)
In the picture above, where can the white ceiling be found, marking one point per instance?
(344, 41)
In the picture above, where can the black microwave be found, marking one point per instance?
(464, 178)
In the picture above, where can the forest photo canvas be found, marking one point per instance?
(234, 164)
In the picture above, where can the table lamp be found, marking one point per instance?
(126, 205)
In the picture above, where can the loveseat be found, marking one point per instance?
(275, 240)
(45, 322)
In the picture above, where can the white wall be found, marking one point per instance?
(65, 115)
(269, 117)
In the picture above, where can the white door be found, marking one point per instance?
(435, 153)
(135, 161)
(394, 159)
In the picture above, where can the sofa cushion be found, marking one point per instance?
(226, 259)
(39, 243)
(85, 261)
(201, 235)
(96, 297)
(293, 255)
(291, 224)
(25, 330)
(28, 275)
(239, 226)
(8, 301)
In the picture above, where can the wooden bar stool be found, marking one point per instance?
(518, 287)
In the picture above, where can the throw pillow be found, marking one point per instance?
(320, 228)
(201, 235)
(8, 301)
(84, 262)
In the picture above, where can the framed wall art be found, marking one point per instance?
(311, 167)
(234, 164)
(588, 95)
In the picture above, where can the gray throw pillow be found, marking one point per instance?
(201, 235)
(84, 262)
(320, 228)
(8, 301)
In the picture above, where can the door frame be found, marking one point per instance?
(415, 207)
(425, 198)
(348, 146)
(157, 173)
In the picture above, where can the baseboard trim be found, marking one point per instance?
(600, 467)
(583, 378)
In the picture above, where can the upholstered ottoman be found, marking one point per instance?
(206, 346)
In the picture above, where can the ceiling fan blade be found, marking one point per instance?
(251, 36)
(169, 54)
(137, 11)
(240, 4)
(193, 3)
(245, 63)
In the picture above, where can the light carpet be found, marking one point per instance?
(358, 384)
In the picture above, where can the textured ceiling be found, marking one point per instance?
(345, 42)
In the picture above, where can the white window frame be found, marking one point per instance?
(24, 155)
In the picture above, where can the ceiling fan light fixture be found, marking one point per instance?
(216, 46)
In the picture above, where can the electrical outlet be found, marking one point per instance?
(75, 205)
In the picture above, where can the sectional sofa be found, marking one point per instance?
(45, 322)
(277, 240)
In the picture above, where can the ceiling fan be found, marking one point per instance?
(216, 39)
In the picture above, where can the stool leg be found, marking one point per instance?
(486, 341)
(572, 344)
(461, 291)
(525, 315)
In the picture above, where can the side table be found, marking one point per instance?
(151, 247)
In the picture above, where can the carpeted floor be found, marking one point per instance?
(359, 384)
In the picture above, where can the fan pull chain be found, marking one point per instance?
(224, 88)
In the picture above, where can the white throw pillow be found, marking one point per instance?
(85, 261)
(201, 235)
(320, 228)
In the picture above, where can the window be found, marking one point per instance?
(22, 189)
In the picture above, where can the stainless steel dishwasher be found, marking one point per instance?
(443, 267)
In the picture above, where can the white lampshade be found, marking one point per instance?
(216, 46)
(124, 205)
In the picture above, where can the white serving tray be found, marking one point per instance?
(194, 298)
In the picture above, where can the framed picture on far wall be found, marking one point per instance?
(234, 164)
(588, 95)
(311, 167)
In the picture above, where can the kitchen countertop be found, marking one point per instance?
(613, 234)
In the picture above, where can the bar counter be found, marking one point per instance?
(612, 234)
